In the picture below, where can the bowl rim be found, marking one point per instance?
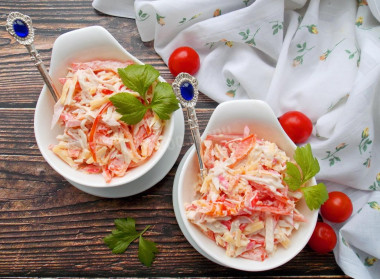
(191, 228)
(78, 176)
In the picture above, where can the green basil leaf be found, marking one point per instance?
(131, 109)
(138, 77)
(164, 102)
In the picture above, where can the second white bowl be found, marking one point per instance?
(231, 117)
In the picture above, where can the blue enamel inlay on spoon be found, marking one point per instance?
(187, 90)
(21, 28)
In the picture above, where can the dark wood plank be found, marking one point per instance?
(48, 223)
(51, 20)
(48, 228)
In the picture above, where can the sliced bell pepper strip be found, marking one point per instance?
(91, 136)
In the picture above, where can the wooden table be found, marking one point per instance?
(50, 228)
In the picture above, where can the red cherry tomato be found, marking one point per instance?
(338, 207)
(296, 125)
(184, 59)
(323, 239)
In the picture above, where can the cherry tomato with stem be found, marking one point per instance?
(296, 125)
(184, 59)
(323, 239)
(338, 208)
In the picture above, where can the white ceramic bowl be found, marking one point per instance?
(231, 117)
(91, 43)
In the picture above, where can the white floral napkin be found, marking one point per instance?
(320, 57)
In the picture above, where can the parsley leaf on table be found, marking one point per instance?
(298, 174)
(124, 234)
(139, 78)
(147, 250)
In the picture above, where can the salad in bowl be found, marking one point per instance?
(243, 214)
(90, 136)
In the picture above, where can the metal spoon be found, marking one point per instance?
(20, 27)
(185, 87)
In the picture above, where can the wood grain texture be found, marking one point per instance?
(48, 228)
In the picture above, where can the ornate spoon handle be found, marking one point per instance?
(186, 89)
(20, 27)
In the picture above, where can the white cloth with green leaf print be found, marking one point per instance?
(319, 57)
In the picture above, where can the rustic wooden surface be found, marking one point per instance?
(48, 228)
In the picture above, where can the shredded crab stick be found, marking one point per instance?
(244, 204)
(94, 140)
